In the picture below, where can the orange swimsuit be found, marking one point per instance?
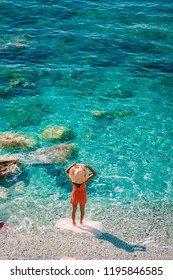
(79, 194)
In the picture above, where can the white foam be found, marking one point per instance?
(88, 227)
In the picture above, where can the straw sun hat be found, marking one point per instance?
(78, 173)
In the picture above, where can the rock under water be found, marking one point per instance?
(8, 167)
(51, 155)
(111, 114)
(16, 140)
(59, 133)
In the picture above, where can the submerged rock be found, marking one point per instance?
(22, 83)
(8, 167)
(3, 192)
(89, 135)
(51, 155)
(99, 114)
(59, 133)
(15, 140)
(14, 86)
(111, 114)
(18, 81)
(124, 113)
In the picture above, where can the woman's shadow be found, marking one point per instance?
(130, 248)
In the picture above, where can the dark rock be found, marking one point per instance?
(8, 166)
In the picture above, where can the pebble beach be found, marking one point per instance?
(140, 238)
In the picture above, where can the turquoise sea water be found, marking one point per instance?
(61, 60)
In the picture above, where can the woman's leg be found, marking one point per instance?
(73, 213)
(82, 213)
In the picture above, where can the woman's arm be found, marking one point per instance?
(68, 169)
(92, 170)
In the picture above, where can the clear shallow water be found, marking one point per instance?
(61, 61)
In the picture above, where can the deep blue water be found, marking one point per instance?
(61, 60)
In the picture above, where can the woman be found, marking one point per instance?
(79, 175)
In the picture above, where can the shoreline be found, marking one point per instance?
(138, 233)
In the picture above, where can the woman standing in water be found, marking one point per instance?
(79, 175)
